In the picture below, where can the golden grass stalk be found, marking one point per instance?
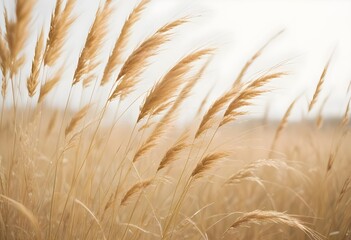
(169, 116)
(134, 190)
(319, 85)
(172, 153)
(17, 32)
(217, 106)
(76, 119)
(260, 217)
(162, 94)
(115, 57)
(61, 21)
(4, 64)
(137, 61)
(26, 213)
(243, 99)
(92, 215)
(253, 59)
(49, 85)
(33, 79)
(282, 124)
(207, 163)
(248, 172)
(93, 44)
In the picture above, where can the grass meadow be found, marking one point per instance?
(88, 173)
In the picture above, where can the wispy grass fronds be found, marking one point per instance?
(243, 99)
(49, 85)
(76, 119)
(138, 60)
(33, 79)
(217, 106)
(319, 85)
(134, 190)
(282, 124)
(93, 44)
(260, 217)
(172, 153)
(247, 65)
(163, 93)
(17, 32)
(248, 172)
(169, 117)
(4, 64)
(207, 163)
(61, 21)
(115, 57)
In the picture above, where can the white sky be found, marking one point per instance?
(238, 29)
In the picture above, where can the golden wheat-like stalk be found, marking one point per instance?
(115, 57)
(207, 163)
(161, 127)
(257, 54)
(17, 32)
(282, 124)
(172, 153)
(88, 58)
(134, 190)
(33, 79)
(248, 172)
(49, 85)
(76, 119)
(4, 64)
(61, 21)
(137, 61)
(319, 85)
(259, 217)
(162, 94)
(253, 90)
(216, 107)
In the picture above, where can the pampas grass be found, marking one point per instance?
(77, 173)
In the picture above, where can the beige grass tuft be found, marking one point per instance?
(260, 217)
(76, 119)
(319, 85)
(243, 99)
(134, 190)
(160, 97)
(172, 153)
(207, 163)
(115, 57)
(49, 85)
(61, 21)
(88, 59)
(137, 61)
(17, 32)
(33, 79)
(247, 65)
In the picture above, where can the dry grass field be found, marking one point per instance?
(87, 173)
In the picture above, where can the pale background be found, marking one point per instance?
(237, 28)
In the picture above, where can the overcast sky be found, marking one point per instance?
(238, 28)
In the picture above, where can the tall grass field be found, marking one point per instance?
(102, 152)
